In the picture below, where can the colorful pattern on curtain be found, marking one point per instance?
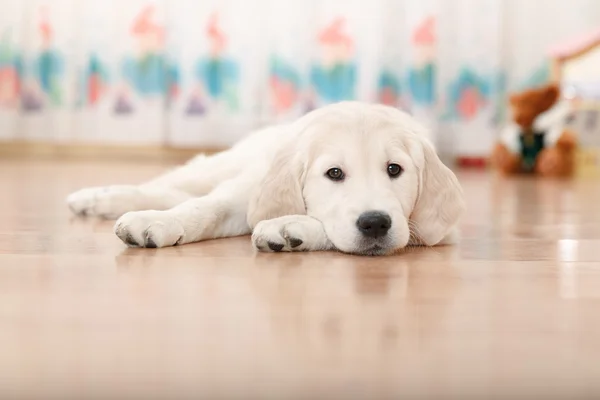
(189, 74)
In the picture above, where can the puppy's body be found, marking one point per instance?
(281, 184)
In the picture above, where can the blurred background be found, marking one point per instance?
(201, 74)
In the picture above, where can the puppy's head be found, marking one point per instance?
(369, 174)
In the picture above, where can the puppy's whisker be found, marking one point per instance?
(415, 234)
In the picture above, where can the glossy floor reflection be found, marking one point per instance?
(513, 311)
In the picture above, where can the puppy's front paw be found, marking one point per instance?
(149, 229)
(280, 234)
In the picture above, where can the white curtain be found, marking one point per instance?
(204, 73)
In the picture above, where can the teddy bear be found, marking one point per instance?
(537, 139)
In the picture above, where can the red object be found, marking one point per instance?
(472, 162)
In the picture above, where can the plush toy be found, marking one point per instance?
(537, 140)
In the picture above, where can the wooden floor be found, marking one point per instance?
(511, 312)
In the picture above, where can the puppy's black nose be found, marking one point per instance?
(374, 224)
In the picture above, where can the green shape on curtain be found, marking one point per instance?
(54, 92)
(284, 72)
(231, 97)
(48, 68)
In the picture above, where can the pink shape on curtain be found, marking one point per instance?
(216, 34)
(470, 103)
(143, 24)
(284, 93)
(333, 34)
(424, 34)
(45, 27)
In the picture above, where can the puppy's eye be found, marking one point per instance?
(394, 170)
(335, 174)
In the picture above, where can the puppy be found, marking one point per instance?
(355, 177)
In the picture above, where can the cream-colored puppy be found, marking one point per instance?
(359, 178)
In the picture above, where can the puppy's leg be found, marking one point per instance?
(290, 233)
(111, 202)
(202, 174)
(196, 178)
(221, 213)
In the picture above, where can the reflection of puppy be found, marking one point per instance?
(354, 177)
(382, 311)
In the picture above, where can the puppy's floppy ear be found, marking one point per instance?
(440, 201)
(280, 192)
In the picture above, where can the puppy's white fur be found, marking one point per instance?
(273, 184)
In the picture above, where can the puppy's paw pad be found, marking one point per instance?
(272, 235)
(150, 243)
(130, 241)
(295, 242)
(150, 229)
(275, 246)
(82, 201)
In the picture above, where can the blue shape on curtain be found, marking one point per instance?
(389, 81)
(284, 84)
(467, 78)
(93, 80)
(173, 76)
(284, 72)
(388, 89)
(146, 74)
(96, 67)
(19, 65)
(335, 83)
(9, 58)
(421, 84)
(48, 67)
(467, 93)
(218, 75)
(173, 81)
(499, 91)
(11, 73)
(12, 62)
